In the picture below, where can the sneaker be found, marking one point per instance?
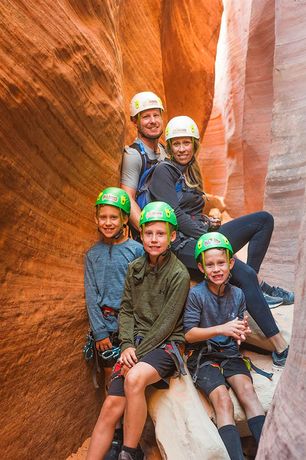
(273, 302)
(124, 456)
(139, 453)
(114, 451)
(279, 359)
(275, 291)
(287, 296)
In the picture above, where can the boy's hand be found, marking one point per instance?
(247, 331)
(235, 328)
(128, 357)
(104, 344)
(124, 370)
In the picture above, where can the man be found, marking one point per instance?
(146, 113)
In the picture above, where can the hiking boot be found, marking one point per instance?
(273, 302)
(139, 453)
(114, 451)
(275, 291)
(124, 456)
(279, 359)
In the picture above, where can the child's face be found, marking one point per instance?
(216, 266)
(109, 221)
(155, 239)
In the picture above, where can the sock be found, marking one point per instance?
(119, 434)
(231, 439)
(265, 287)
(255, 425)
(130, 450)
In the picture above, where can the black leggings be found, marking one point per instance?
(255, 229)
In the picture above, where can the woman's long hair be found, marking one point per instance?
(193, 176)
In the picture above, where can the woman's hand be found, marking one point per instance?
(128, 357)
(104, 344)
(215, 223)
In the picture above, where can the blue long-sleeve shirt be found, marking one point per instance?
(206, 309)
(105, 270)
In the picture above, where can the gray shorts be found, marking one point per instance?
(159, 359)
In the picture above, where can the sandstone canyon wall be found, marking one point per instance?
(236, 145)
(245, 157)
(68, 70)
(256, 137)
(284, 435)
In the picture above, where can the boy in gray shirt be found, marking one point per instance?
(214, 327)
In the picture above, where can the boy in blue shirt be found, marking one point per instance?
(214, 324)
(106, 265)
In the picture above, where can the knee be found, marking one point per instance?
(111, 411)
(223, 403)
(134, 382)
(247, 393)
(268, 219)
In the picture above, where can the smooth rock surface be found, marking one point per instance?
(236, 145)
(183, 429)
(284, 435)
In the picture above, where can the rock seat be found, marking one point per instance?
(182, 416)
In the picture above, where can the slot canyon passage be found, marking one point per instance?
(68, 71)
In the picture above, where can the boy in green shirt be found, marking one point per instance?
(150, 328)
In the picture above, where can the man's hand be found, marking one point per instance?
(104, 344)
(128, 357)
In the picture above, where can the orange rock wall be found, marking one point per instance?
(68, 71)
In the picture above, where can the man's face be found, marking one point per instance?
(150, 123)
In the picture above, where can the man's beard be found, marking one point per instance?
(149, 136)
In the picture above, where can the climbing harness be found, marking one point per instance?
(90, 353)
(212, 350)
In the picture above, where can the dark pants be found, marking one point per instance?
(255, 229)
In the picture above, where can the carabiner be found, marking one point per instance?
(113, 353)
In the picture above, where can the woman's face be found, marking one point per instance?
(182, 149)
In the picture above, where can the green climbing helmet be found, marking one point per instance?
(114, 196)
(158, 211)
(212, 240)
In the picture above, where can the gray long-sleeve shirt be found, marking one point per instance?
(105, 270)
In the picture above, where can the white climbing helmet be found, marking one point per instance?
(182, 126)
(145, 101)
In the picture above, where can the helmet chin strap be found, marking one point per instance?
(118, 234)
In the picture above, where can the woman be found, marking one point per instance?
(182, 136)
